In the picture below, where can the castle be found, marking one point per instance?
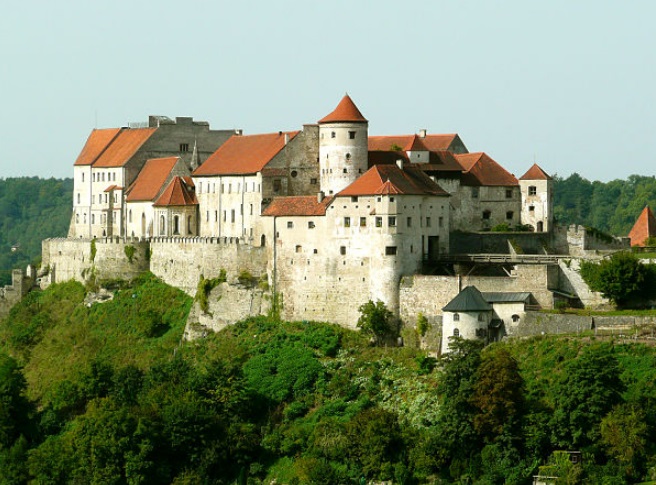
(328, 215)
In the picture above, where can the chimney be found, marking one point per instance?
(320, 196)
(239, 132)
(422, 133)
(286, 138)
(399, 163)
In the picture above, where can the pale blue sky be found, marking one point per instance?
(568, 83)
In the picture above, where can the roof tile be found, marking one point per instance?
(177, 193)
(480, 169)
(244, 154)
(644, 227)
(97, 142)
(123, 148)
(345, 111)
(431, 142)
(409, 181)
(535, 173)
(150, 180)
(306, 205)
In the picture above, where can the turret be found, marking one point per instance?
(343, 146)
(537, 199)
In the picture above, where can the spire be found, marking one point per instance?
(644, 227)
(194, 158)
(346, 111)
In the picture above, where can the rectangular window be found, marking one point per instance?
(332, 134)
(342, 250)
(310, 224)
(347, 222)
(440, 221)
(532, 190)
(474, 192)
(277, 185)
(251, 209)
(390, 250)
(363, 222)
(207, 216)
(428, 222)
(232, 215)
(391, 221)
(486, 215)
(409, 221)
(290, 224)
(531, 208)
(229, 188)
(184, 147)
(354, 199)
(509, 193)
(313, 181)
(352, 135)
(379, 221)
(509, 215)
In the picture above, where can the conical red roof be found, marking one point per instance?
(346, 111)
(535, 173)
(645, 227)
(177, 194)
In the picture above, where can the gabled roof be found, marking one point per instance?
(430, 142)
(480, 169)
(535, 173)
(346, 111)
(306, 205)
(150, 180)
(506, 297)
(97, 142)
(244, 154)
(643, 228)
(468, 300)
(113, 187)
(123, 148)
(177, 193)
(388, 179)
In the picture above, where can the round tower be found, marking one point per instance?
(343, 146)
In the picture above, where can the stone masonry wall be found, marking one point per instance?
(12, 294)
(71, 259)
(180, 261)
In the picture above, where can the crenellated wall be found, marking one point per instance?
(179, 261)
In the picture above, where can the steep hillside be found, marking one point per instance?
(108, 393)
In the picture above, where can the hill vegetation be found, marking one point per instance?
(108, 393)
(31, 209)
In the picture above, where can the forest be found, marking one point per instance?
(31, 209)
(108, 393)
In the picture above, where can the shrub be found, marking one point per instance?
(375, 320)
(129, 252)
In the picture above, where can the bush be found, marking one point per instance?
(375, 320)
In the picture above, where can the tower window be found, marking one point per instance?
(184, 147)
(290, 225)
(313, 181)
(531, 208)
(390, 250)
(474, 192)
(311, 225)
(345, 170)
(509, 193)
(532, 190)
(348, 156)
(332, 134)
(352, 135)
(456, 317)
(342, 250)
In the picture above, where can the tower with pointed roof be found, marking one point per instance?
(537, 199)
(644, 228)
(343, 146)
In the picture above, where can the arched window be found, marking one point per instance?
(162, 226)
(515, 318)
(456, 317)
(540, 227)
(176, 224)
(456, 332)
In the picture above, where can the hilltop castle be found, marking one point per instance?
(322, 219)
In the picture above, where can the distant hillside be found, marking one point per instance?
(611, 206)
(31, 209)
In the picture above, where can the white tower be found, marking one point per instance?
(343, 146)
(537, 199)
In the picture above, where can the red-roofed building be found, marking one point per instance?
(247, 172)
(176, 209)
(537, 199)
(644, 228)
(116, 157)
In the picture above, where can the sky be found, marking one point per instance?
(569, 85)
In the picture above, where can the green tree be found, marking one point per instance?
(375, 320)
(587, 390)
(624, 435)
(621, 278)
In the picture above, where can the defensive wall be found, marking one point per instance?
(179, 261)
(106, 258)
(12, 294)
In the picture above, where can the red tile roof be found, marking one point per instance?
(242, 155)
(97, 142)
(306, 205)
(113, 187)
(535, 173)
(150, 180)
(644, 228)
(431, 142)
(438, 161)
(177, 193)
(480, 169)
(346, 111)
(124, 146)
(385, 179)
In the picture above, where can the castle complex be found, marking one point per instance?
(330, 216)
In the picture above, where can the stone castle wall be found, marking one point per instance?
(12, 294)
(67, 259)
(180, 261)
